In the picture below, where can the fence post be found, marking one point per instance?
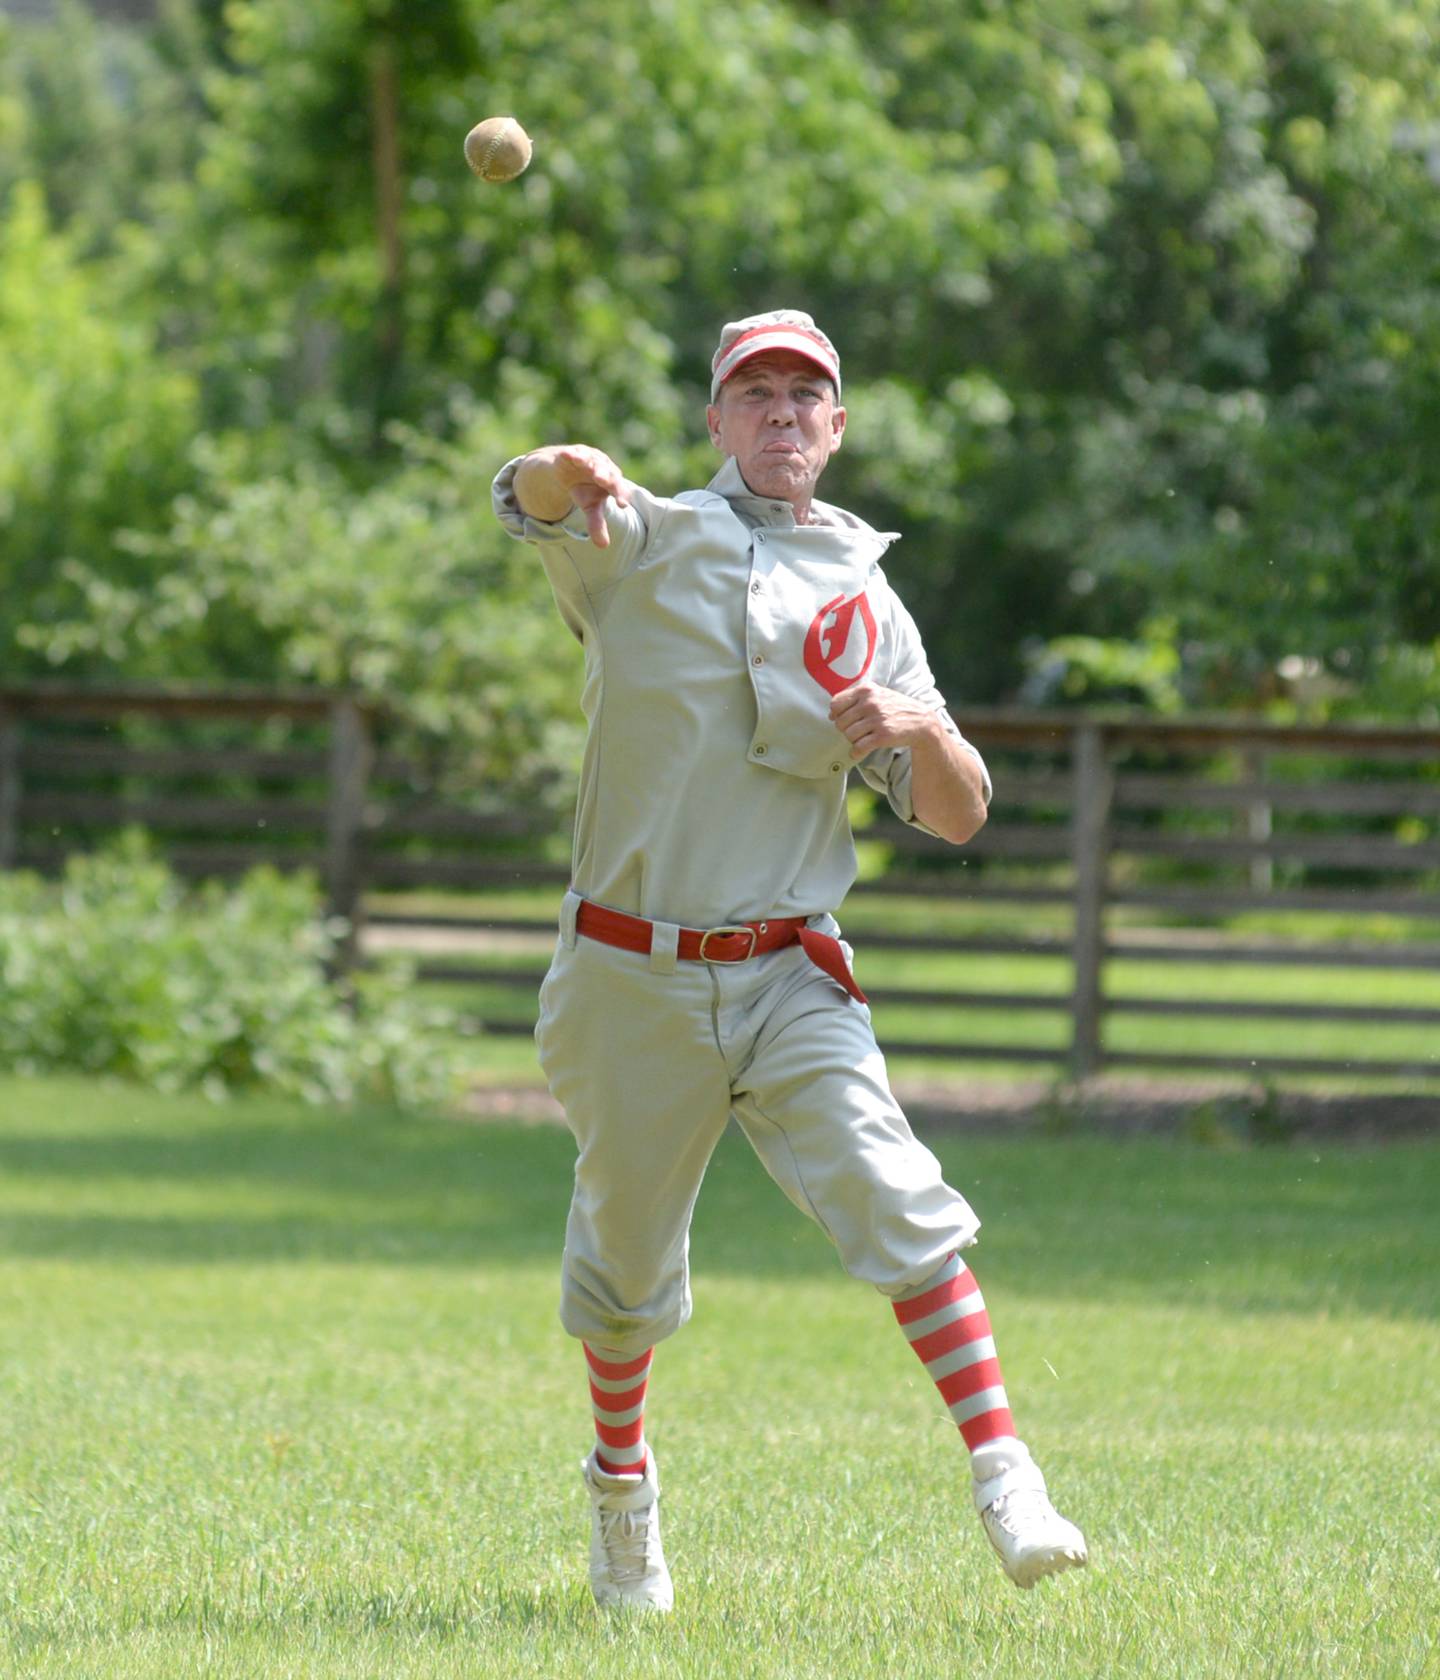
(1258, 820)
(9, 788)
(351, 755)
(1094, 781)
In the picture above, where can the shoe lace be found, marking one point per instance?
(626, 1535)
(1016, 1512)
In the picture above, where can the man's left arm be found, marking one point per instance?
(948, 786)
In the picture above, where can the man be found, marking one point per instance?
(742, 651)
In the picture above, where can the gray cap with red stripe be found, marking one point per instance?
(780, 329)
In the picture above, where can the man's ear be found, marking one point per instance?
(837, 423)
(712, 420)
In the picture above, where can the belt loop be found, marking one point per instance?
(664, 947)
(569, 911)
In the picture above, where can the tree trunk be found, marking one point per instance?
(385, 124)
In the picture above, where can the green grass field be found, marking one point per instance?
(283, 1394)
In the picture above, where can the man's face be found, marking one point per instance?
(777, 416)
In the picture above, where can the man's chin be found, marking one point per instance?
(784, 477)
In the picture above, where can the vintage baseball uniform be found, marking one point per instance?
(716, 632)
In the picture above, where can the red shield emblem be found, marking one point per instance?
(836, 652)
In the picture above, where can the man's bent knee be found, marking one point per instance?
(593, 1311)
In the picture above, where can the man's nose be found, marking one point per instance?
(782, 410)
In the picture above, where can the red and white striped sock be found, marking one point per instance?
(946, 1323)
(617, 1396)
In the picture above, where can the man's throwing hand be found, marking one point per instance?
(869, 717)
(550, 481)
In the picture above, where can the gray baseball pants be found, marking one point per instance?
(649, 1057)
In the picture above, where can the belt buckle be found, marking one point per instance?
(726, 932)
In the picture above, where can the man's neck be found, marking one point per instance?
(802, 509)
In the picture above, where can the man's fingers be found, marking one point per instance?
(591, 477)
(589, 466)
(853, 706)
(848, 699)
(864, 741)
(861, 733)
(595, 522)
(869, 717)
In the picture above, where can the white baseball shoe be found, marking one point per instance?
(1032, 1538)
(627, 1566)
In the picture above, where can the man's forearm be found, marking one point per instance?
(947, 783)
(947, 787)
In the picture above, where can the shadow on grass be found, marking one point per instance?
(1084, 1218)
(367, 1187)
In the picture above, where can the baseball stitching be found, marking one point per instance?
(494, 146)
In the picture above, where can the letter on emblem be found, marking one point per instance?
(826, 645)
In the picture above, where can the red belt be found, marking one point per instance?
(735, 942)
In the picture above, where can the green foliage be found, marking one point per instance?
(1091, 670)
(118, 970)
(97, 426)
(1216, 339)
(101, 113)
(1137, 305)
(408, 592)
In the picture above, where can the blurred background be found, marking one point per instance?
(1138, 304)
(1139, 307)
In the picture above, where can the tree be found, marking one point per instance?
(408, 593)
(98, 426)
(1214, 351)
(1135, 301)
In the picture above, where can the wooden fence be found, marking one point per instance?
(1111, 836)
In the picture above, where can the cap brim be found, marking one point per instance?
(797, 342)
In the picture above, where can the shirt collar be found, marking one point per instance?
(730, 483)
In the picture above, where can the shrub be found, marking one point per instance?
(119, 969)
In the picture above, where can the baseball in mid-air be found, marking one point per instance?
(497, 149)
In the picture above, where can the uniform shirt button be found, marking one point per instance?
(759, 536)
(760, 752)
(759, 659)
(754, 588)
(837, 766)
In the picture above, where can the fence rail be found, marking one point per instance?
(1119, 828)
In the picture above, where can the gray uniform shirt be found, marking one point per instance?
(716, 633)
